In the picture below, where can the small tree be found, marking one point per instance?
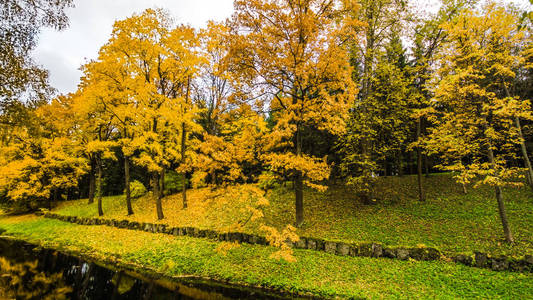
(473, 129)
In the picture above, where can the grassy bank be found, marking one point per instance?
(314, 272)
(449, 220)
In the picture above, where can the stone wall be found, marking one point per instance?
(481, 260)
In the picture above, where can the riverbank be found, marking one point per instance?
(314, 273)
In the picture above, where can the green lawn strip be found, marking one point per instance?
(315, 272)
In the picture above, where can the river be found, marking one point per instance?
(28, 271)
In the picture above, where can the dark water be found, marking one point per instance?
(31, 272)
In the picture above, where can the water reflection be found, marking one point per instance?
(30, 272)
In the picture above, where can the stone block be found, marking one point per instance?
(354, 251)
(365, 250)
(148, 227)
(463, 259)
(499, 264)
(311, 244)
(301, 243)
(389, 253)
(377, 250)
(330, 247)
(343, 249)
(481, 260)
(261, 240)
(212, 234)
(402, 253)
(320, 245)
(289, 243)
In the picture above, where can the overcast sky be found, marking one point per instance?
(91, 21)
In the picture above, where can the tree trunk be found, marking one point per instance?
(298, 183)
(184, 191)
(421, 195)
(501, 204)
(527, 162)
(183, 174)
(523, 148)
(299, 197)
(155, 187)
(183, 148)
(162, 183)
(213, 177)
(92, 184)
(99, 191)
(127, 184)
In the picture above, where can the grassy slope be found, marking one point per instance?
(315, 272)
(448, 220)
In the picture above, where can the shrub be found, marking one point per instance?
(137, 189)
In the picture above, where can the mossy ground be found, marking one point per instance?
(448, 220)
(314, 272)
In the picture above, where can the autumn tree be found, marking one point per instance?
(362, 151)
(472, 110)
(160, 62)
(93, 134)
(38, 160)
(21, 22)
(292, 55)
(428, 38)
(109, 85)
(378, 128)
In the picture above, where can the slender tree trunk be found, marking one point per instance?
(299, 197)
(523, 148)
(184, 174)
(155, 187)
(99, 191)
(426, 165)
(183, 148)
(92, 184)
(411, 163)
(127, 184)
(421, 195)
(298, 183)
(162, 183)
(501, 204)
(527, 162)
(184, 191)
(213, 177)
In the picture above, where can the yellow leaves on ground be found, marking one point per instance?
(224, 247)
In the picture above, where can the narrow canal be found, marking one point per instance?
(31, 272)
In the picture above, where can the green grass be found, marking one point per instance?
(449, 220)
(314, 272)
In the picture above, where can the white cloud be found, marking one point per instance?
(91, 22)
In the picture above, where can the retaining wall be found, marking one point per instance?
(480, 260)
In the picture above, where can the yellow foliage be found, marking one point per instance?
(224, 247)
